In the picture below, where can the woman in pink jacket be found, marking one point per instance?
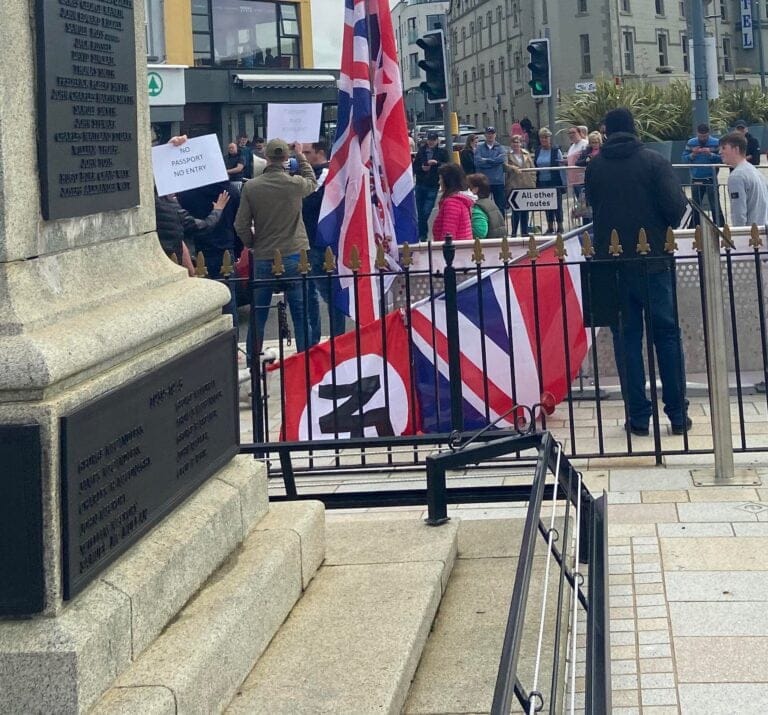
(455, 207)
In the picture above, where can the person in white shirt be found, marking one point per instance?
(575, 177)
(747, 190)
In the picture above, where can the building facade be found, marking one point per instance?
(629, 40)
(411, 19)
(233, 58)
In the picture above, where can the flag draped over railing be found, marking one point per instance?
(369, 196)
(521, 334)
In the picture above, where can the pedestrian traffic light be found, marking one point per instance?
(541, 74)
(435, 87)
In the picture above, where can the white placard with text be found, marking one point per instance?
(197, 162)
(294, 122)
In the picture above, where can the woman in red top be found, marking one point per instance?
(455, 207)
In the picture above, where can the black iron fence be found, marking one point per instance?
(535, 331)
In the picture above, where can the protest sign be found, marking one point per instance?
(294, 122)
(197, 162)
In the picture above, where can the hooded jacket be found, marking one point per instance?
(454, 217)
(630, 187)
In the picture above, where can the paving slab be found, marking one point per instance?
(642, 513)
(717, 586)
(723, 698)
(693, 530)
(647, 479)
(722, 659)
(715, 554)
(719, 619)
(714, 511)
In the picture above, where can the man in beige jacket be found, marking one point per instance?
(269, 220)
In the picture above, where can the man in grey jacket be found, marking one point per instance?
(746, 188)
(269, 220)
(489, 160)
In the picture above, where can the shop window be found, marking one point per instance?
(245, 33)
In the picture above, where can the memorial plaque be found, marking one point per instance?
(88, 159)
(21, 521)
(132, 455)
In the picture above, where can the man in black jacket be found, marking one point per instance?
(630, 188)
(753, 146)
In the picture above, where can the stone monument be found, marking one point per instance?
(118, 407)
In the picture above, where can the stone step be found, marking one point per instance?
(352, 644)
(458, 669)
(205, 653)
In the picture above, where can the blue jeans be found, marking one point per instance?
(425, 202)
(657, 297)
(267, 284)
(320, 286)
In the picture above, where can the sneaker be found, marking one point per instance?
(637, 431)
(682, 429)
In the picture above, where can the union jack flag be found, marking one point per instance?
(369, 197)
(513, 341)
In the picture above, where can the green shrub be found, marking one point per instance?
(662, 112)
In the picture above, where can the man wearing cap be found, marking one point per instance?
(429, 158)
(753, 146)
(630, 188)
(269, 219)
(489, 160)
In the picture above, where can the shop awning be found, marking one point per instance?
(299, 80)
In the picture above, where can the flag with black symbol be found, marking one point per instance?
(331, 394)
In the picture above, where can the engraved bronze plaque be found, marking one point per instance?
(132, 455)
(87, 151)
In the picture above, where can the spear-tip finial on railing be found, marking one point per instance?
(200, 270)
(727, 242)
(381, 262)
(697, 239)
(533, 248)
(227, 267)
(329, 261)
(304, 266)
(277, 264)
(560, 250)
(504, 255)
(477, 252)
(587, 249)
(670, 246)
(615, 248)
(754, 237)
(354, 259)
(643, 247)
(406, 259)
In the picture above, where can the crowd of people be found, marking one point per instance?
(274, 192)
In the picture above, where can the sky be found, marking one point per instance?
(327, 26)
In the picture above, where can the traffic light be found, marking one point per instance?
(434, 65)
(541, 74)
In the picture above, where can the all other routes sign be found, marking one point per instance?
(533, 199)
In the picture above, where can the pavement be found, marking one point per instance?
(688, 564)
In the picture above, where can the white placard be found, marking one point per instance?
(533, 199)
(294, 122)
(197, 162)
